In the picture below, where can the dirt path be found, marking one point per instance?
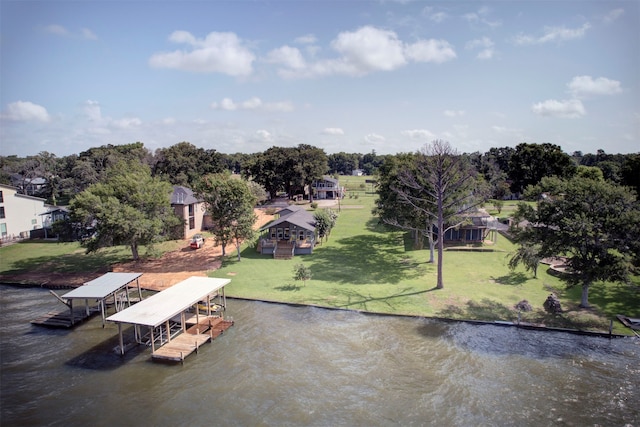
(158, 274)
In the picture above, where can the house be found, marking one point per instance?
(19, 213)
(191, 209)
(327, 188)
(292, 233)
(475, 228)
(357, 172)
(29, 186)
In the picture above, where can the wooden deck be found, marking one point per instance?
(188, 342)
(62, 318)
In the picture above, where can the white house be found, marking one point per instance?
(19, 214)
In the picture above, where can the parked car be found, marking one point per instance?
(197, 241)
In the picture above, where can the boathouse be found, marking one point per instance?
(171, 322)
(110, 288)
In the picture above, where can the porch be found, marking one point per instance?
(285, 249)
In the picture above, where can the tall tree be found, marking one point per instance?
(310, 166)
(230, 203)
(531, 162)
(184, 163)
(129, 208)
(443, 186)
(594, 223)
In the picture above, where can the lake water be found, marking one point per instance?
(296, 366)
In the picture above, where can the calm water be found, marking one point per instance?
(294, 366)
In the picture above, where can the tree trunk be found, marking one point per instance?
(440, 283)
(134, 251)
(238, 249)
(224, 249)
(584, 300)
(431, 246)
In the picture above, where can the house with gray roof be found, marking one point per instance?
(292, 233)
(191, 209)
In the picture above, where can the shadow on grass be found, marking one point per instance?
(289, 288)
(78, 261)
(366, 259)
(485, 309)
(358, 301)
(514, 279)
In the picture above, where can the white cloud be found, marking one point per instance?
(333, 131)
(418, 134)
(254, 104)
(431, 50)
(586, 85)
(370, 49)
(374, 138)
(306, 39)
(127, 123)
(453, 113)
(571, 108)
(59, 30)
(25, 111)
(290, 57)
(554, 34)
(363, 51)
(481, 16)
(56, 29)
(92, 110)
(264, 135)
(485, 45)
(88, 34)
(217, 53)
(436, 17)
(613, 15)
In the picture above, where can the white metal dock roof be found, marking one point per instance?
(103, 286)
(166, 304)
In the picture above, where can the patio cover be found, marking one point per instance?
(166, 304)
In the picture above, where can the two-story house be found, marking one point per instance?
(327, 188)
(191, 209)
(19, 213)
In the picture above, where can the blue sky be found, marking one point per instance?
(353, 76)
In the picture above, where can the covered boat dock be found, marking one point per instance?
(164, 315)
(110, 287)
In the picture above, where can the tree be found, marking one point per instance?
(595, 224)
(527, 255)
(311, 165)
(442, 187)
(325, 221)
(184, 163)
(393, 210)
(531, 162)
(302, 272)
(230, 203)
(128, 208)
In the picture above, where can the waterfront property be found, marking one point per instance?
(110, 288)
(19, 213)
(162, 320)
(327, 188)
(190, 209)
(292, 233)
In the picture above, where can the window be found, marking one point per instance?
(3, 230)
(192, 217)
(1, 197)
(2, 212)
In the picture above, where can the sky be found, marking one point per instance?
(351, 76)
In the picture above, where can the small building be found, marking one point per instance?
(19, 213)
(475, 228)
(292, 233)
(357, 172)
(191, 209)
(327, 188)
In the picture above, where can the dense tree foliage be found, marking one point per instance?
(230, 204)
(184, 163)
(531, 162)
(594, 223)
(130, 207)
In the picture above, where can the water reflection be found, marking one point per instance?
(282, 365)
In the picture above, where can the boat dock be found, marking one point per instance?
(164, 323)
(110, 288)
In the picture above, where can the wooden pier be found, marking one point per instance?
(63, 318)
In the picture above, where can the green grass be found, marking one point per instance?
(64, 257)
(366, 267)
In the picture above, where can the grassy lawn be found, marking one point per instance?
(365, 267)
(68, 257)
